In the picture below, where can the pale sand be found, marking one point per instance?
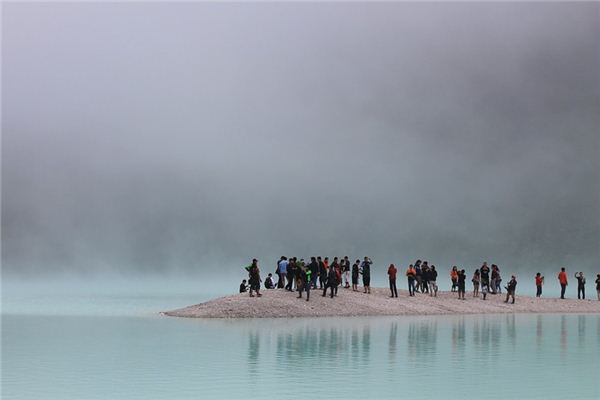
(279, 303)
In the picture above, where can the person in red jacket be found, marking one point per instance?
(392, 275)
(539, 281)
(562, 278)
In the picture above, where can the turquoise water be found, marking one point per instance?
(62, 352)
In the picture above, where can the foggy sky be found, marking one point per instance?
(196, 136)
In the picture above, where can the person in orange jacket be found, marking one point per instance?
(562, 278)
(411, 273)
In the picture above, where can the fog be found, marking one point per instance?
(145, 138)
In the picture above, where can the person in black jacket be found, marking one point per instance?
(462, 276)
(314, 272)
(580, 285)
(355, 274)
(433, 287)
(511, 289)
(331, 282)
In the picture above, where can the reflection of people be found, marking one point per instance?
(243, 286)
(539, 281)
(562, 279)
(580, 285)
(510, 289)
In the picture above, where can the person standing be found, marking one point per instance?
(511, 289)
(562, 279)
(254, 281)
(410, 275)
(476, 279)
(580, 285)
(346, 272)
(282, 271)
(494, 279)
(392, 270)
(331, 282)
(355, 273)
(322, 272)
(425, 275)
(433, 288)
(418, 276)
(598, 286)
(539, 281)
(314, 272)
(304, 283)
(454, 278)
(366, 273)
(498, 280)
(485, 275)
(461, 284)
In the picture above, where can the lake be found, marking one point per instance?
(105, 344)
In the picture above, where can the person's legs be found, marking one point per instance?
(583, 292)
(307, 292)
(562, 291)
(395, 289)
(598, 292)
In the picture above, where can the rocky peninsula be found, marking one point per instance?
(279, 303)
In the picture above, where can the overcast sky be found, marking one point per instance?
(196, 136)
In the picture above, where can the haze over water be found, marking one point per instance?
(150, 150)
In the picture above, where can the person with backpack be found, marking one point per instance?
(410, 275)
(392, 270)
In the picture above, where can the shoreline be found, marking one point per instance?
(278, 303)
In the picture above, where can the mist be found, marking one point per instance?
(180, 139)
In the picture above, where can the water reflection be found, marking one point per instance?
(422, 340)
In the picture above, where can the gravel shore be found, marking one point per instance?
(279, 303)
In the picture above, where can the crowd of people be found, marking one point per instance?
(319, 273)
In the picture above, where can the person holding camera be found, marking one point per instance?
(539, 281)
